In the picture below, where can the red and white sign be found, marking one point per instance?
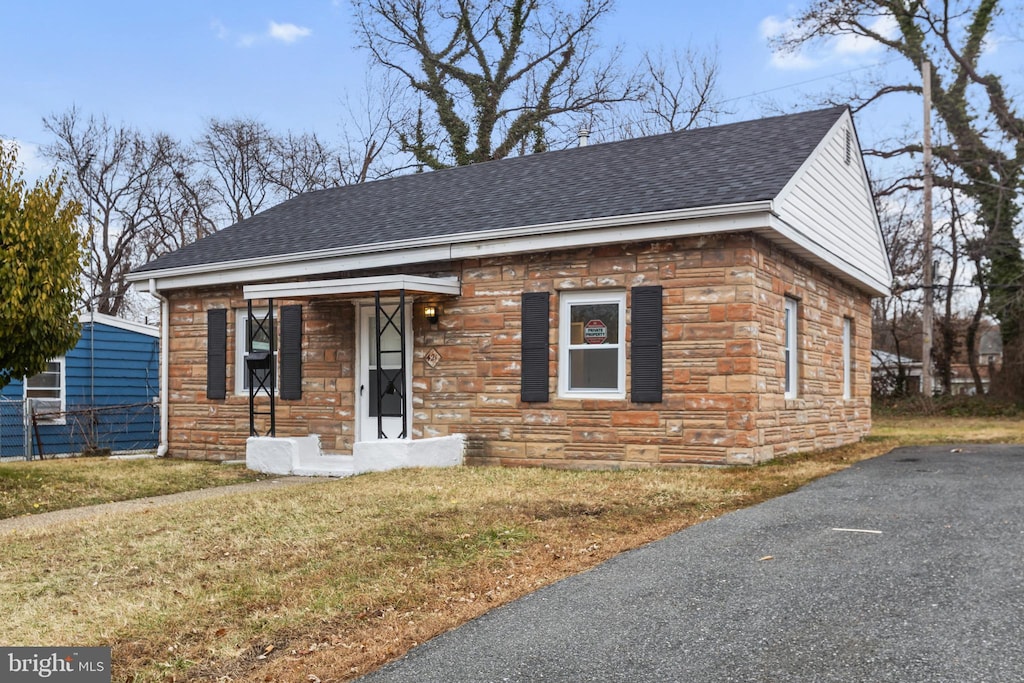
(595, 332)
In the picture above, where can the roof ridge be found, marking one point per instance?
(597, 145)
(734, 163)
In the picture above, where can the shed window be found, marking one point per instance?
(45, 392)
(790, 347)
(592, 350)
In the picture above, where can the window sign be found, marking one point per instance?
(595, 332)
(592, 355)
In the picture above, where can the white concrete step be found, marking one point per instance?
(303, 456)
(324, 466)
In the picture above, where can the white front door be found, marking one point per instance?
(383, 390)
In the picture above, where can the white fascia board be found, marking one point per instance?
(835, 263)
(120, 323)
(613, 235)
(356, 285)
(444, 248)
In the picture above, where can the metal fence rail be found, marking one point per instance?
(79, 430)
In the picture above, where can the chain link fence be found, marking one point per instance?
(79, 430)
(14, 434)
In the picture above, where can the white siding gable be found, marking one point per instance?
(828, 203)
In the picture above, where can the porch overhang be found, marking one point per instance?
(355, 285)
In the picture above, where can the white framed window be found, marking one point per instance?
(592, 344)
(790, 348)
(45, 393)
(260, 343)
(847, 358)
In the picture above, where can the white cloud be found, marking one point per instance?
(220, 29)
(992, 42)
(287, 33)
(844, 48)
(33, 166)
(793, 61)
(773, 27)
(852, 45)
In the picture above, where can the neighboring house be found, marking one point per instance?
(100, 395)
(962, 381)
(893, 374)
(989, 362)
(695, 297)
(990, 348)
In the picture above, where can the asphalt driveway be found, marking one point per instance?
(908, 567)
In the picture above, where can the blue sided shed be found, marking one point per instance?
(101, 395)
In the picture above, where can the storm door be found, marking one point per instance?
(385, 351)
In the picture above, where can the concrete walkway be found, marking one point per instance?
(141, 504)
(908, 567)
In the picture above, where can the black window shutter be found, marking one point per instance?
(536, 307)
(645, 385)
(216, 353)
(291, 352)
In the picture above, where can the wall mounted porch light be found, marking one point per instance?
(431, 312)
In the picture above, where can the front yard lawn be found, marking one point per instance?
(47, 485)
(329, 580)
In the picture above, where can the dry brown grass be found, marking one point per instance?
(944, 429)
(47, 485)
(334, 579)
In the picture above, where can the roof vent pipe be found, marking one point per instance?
(584, 137)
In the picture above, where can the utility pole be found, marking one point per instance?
(926, 310)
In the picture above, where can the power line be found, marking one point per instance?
(750, 96)
(811, 80)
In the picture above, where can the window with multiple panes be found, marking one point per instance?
(260, 342)
(847, 358)
(592, 345)
(790, 347)
(45, 392)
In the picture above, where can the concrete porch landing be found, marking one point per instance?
(303, 456)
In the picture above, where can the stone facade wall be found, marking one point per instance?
(206, 429)
(722, 362)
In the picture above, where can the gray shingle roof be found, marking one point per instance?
(734, 163)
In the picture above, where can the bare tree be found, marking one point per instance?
(300, 162)
(493, 74)
(368, 150)
(236, 154)
(371, 129)
(181, 200)
(985, 130)
(678, 91)
(895, 319)
(111, 171)
(975, 250)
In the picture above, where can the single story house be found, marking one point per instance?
(100, 395)
(893, 374)
(696, 297)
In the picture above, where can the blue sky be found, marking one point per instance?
(163, 66)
